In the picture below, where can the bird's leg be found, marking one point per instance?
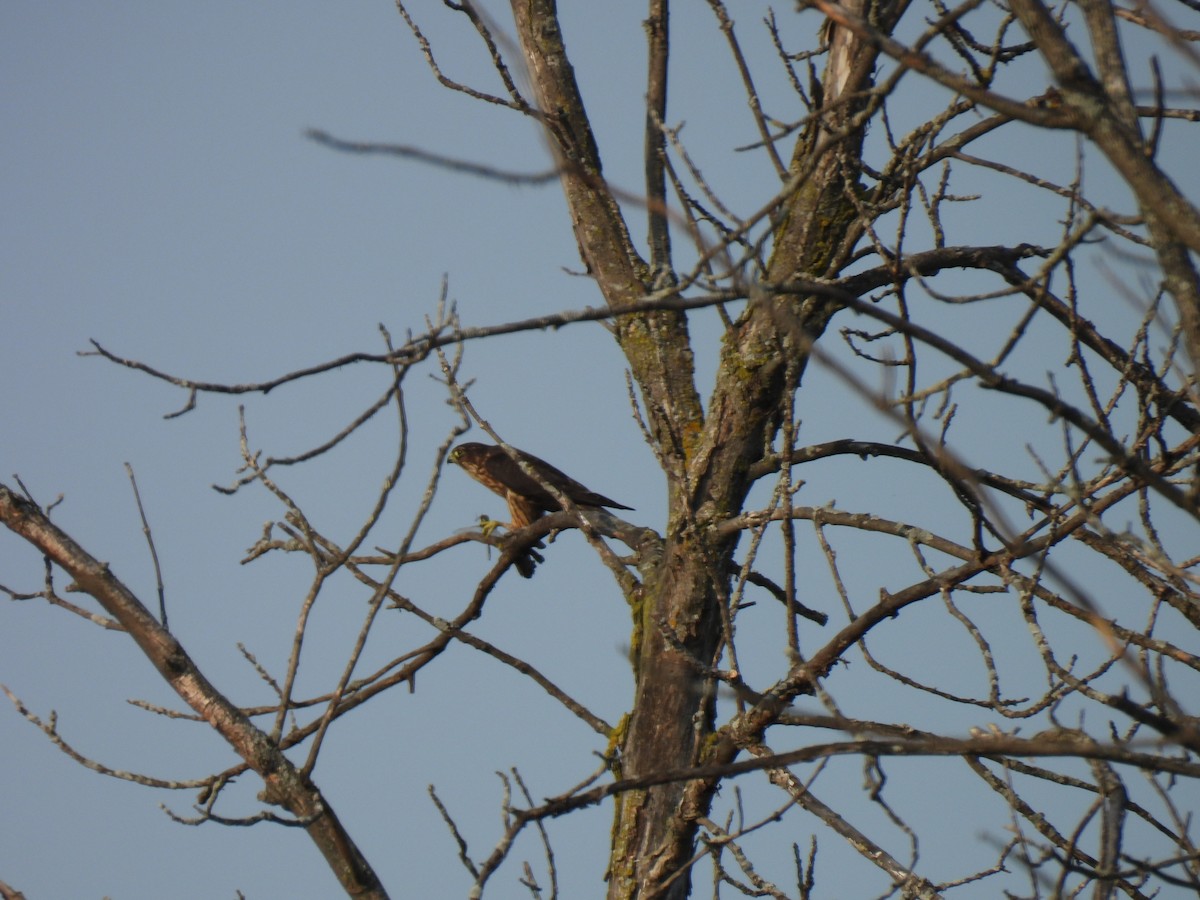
(488, 525)
(528, 561)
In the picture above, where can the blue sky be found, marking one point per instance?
(160, 198)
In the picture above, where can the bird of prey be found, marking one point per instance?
(527, 498)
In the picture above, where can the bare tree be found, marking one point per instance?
(1025, 489)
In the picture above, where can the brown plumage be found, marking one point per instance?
(527, 499)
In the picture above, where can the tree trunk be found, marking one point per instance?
(677, 614)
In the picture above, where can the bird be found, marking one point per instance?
(527, 498)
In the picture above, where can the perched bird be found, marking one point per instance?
(527, 498)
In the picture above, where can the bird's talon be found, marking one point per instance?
(487, 526)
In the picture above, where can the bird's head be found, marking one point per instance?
(464, 452)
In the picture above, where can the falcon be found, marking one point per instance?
(527, 499)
